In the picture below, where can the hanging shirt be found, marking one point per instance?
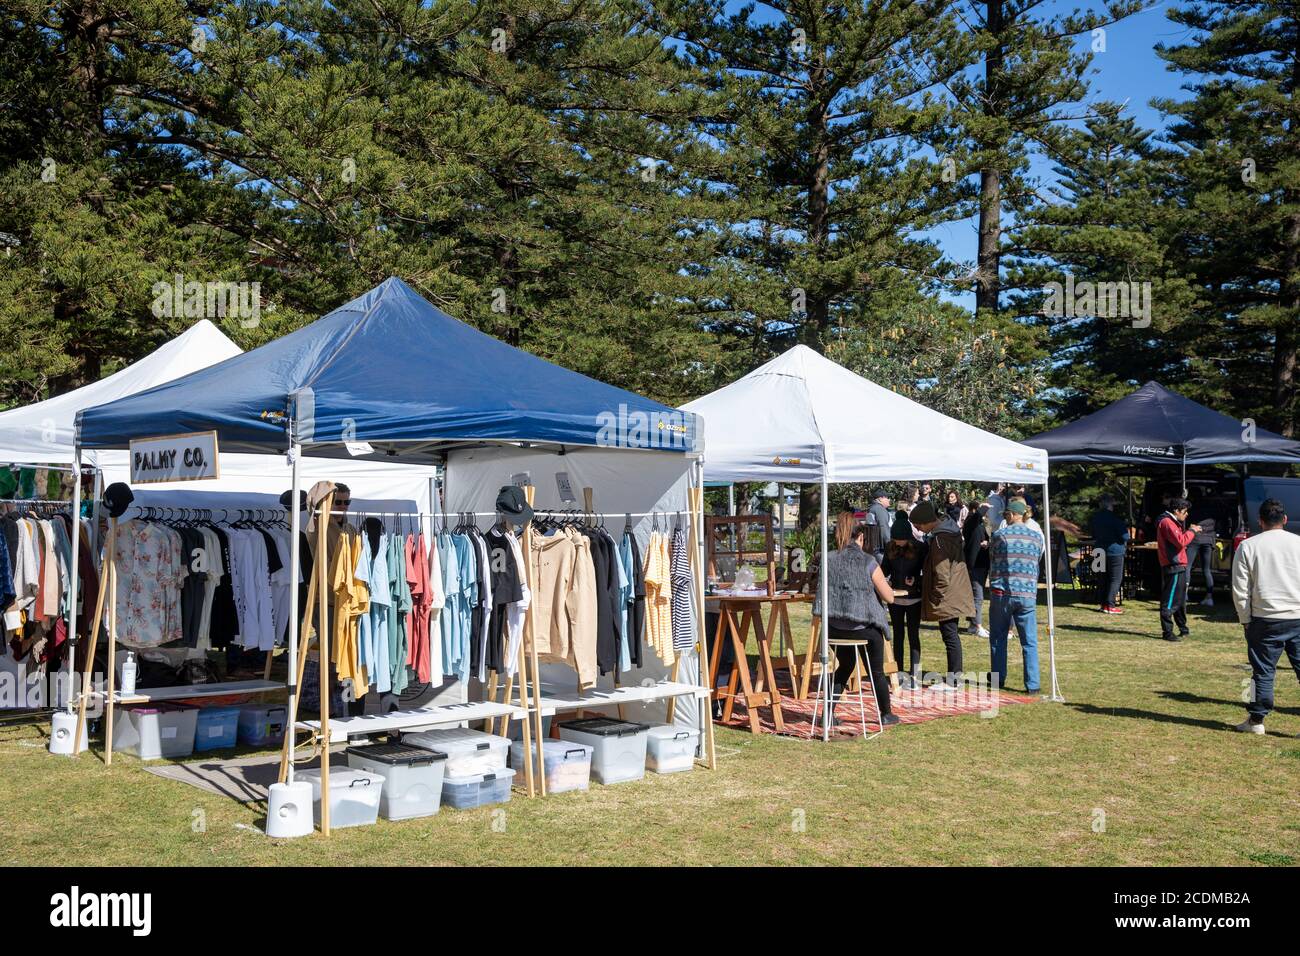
(149, 575)
(417, 575)
(583, 613)
(507, 590)
(372, 627)
(398, 612)
(684, 634)
(518, 611)
(626, 597)
(658, 599)
(450, 617)
(351, 601)
(437, 600)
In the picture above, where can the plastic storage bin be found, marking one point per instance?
(567, 764)
(261, 725)
(468, 751)
(516, 729)
(216, 728)
(477, 789)
(618, 746)
(354, 796)
(670, 749)
(412, 778)
(154, 731)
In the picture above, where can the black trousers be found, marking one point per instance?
(1203, 553)
(950, 631)
(907, 617)
(1173, 599)
(847, 656)
(1114, 578)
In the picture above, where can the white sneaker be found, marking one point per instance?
(983, 633)
(1248, 726)
(943, 686)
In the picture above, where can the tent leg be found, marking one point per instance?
(70, 670)
(295, 623)
(1055, 693)
(823, 585)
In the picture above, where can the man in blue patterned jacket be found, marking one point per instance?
(1013, 585)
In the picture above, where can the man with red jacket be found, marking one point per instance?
(1172, 539)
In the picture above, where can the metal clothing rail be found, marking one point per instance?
(495, 514)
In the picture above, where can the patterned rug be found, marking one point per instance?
(912, 707)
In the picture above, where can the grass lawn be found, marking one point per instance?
(1139, 766)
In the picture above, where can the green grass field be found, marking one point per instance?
(1139, 766)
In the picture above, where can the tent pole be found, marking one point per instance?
(295, 563)
(731, 498)
(823, 585)
(704, 704)
(1051, 607)
(74, 585)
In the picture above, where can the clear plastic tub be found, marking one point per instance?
(217, 728)
(670, 749)
(155, 731)
(567, 764)
(354, 796)
(468, 751)
(477, 789)
(262, 725)
(412, 778)
(619, 747)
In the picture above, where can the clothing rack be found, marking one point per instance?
(164, 514)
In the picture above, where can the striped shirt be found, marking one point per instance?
(1013, 560)
(683, 610)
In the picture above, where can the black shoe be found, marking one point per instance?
(888, 720)
(1184, 634)
(1172, 639)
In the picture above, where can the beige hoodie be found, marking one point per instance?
(552, 571)
(582, 610)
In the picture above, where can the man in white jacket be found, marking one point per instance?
(1266, 592)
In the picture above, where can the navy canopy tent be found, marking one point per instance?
(391, 370)
(1155, 426)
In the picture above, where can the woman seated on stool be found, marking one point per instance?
(856, 587)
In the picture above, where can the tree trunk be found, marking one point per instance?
(817, 325)
(1285, 342)
(988, 279)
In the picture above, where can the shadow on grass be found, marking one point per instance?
(1133, 713)
(1183, 697)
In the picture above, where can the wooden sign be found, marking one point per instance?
(189, 457)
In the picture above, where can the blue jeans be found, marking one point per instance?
(1003, 610)
(1266, 639)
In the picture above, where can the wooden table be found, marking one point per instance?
(737, 613)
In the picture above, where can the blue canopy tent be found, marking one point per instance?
(388, 376)
(392, 370)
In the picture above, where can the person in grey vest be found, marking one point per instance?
(857, 593)
(878, 515)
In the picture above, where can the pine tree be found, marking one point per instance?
(1030, 73)
(1237, 185)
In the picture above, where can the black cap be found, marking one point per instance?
(287, 497)
(117, 498)
(512, 503)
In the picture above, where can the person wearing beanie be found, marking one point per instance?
(945, 591)
(878, 520)
(903, 564)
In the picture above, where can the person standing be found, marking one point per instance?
(1110, 534)
(904, 561)
(1172, 539)
(1013, 593)
(945, 584)
(1202, 548)
(878, 516)
(953, 507)
(926, 493)
(857, 593)
(1266, 593)
(975, 533)
(997, 502)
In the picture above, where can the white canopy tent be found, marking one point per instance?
(41, 434)
(803, 418)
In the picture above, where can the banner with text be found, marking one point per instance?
(190, 457)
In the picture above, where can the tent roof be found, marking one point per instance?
(42, 433)
(802, 414)
(391, 370)
(1156, 426)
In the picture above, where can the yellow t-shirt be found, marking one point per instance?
(658, 598)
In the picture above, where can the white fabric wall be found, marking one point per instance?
(271, 475)
(622, 480)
